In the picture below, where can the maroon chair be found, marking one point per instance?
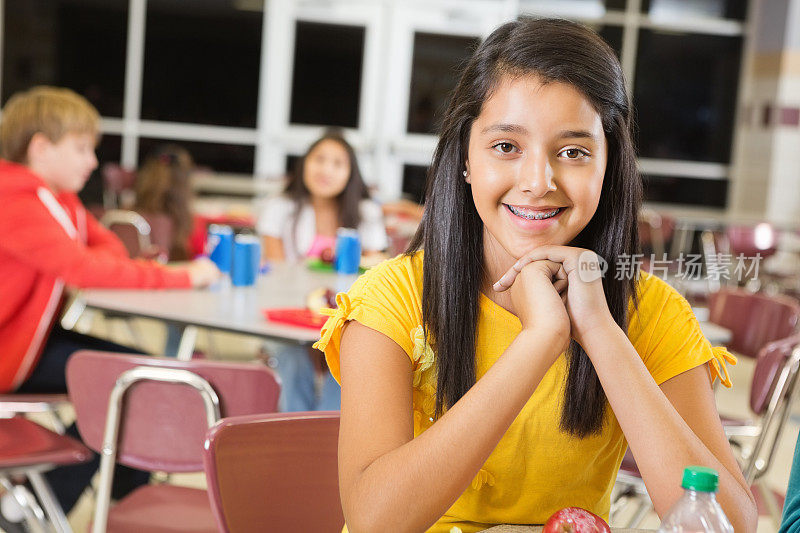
(655, 231)
(754, 319)
(774, 384)
(742, 240)
(153, 413)
(17, 403)
(26, 451)
(146, 236)
(117, 182)
(277, 470)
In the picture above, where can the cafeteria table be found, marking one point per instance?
(219, 307)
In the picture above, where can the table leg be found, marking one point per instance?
(186, 347)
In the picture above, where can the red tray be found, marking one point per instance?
(296, 316)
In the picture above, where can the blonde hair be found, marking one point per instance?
(52, 111)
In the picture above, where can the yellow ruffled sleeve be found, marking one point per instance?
(387, 298)
(668, 337)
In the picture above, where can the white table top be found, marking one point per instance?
(235, 309)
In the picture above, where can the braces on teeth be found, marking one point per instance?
(533, 216)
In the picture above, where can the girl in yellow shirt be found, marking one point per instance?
(500, 374)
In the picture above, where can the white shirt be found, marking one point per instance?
(276, 217)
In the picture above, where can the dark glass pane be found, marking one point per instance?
(291, 162)
(108, 151)
(326, 83)
(434, 74)
(201, 63)
(729, 9)
(218, 157)
(613, 36)
(685, 95)
(616, 4)
(688, 191)
(68, 43)
(414, 179)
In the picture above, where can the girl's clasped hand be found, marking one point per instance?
(576, 275)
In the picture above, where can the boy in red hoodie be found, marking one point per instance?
(48, 240)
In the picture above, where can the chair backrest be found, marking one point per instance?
(774, 386)
(162, 230)
(754, 319)
(745, 240)
(655, 230)
(163, 425)
(117, 181)
(131, 228)
(277, 470)
(771, 361)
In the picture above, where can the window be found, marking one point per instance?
(108, 151)
(414, 182)
(326, 81)
(434, 74)
(613, 36)
(685, 95)
(730, 9)
(685, 190)
(291, 162)
(201, 63)
(80, 45)
(218, 157)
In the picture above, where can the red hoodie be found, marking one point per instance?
(48, 240)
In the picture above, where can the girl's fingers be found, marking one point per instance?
(561, 286)
(508, 278)
(561, 274)
(566, 255)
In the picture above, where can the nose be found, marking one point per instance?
(536, 174)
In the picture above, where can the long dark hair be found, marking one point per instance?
(347, 201)
(451, 232)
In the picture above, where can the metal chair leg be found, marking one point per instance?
(49, 502)
(34, 516)
(641, 512)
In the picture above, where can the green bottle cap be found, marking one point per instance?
(700, 478)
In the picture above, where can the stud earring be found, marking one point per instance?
(464, 173)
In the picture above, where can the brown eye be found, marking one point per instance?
(573, 153)
(505, 148)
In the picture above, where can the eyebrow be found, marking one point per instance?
(516, 128)
(576, 134)
(505, 128)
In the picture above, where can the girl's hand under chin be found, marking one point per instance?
(536, 295)
(583, 295)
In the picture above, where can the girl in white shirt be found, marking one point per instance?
(324, 193)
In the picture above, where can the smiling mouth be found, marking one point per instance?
(533, 215)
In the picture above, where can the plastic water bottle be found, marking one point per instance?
(698, 510)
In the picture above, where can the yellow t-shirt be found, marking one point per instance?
(535, 469)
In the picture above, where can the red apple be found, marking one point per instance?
(575, 520)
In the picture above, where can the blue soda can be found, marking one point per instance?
(348, 251)
(246, 260)
(219, 246)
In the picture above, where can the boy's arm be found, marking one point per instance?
(32, 235)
